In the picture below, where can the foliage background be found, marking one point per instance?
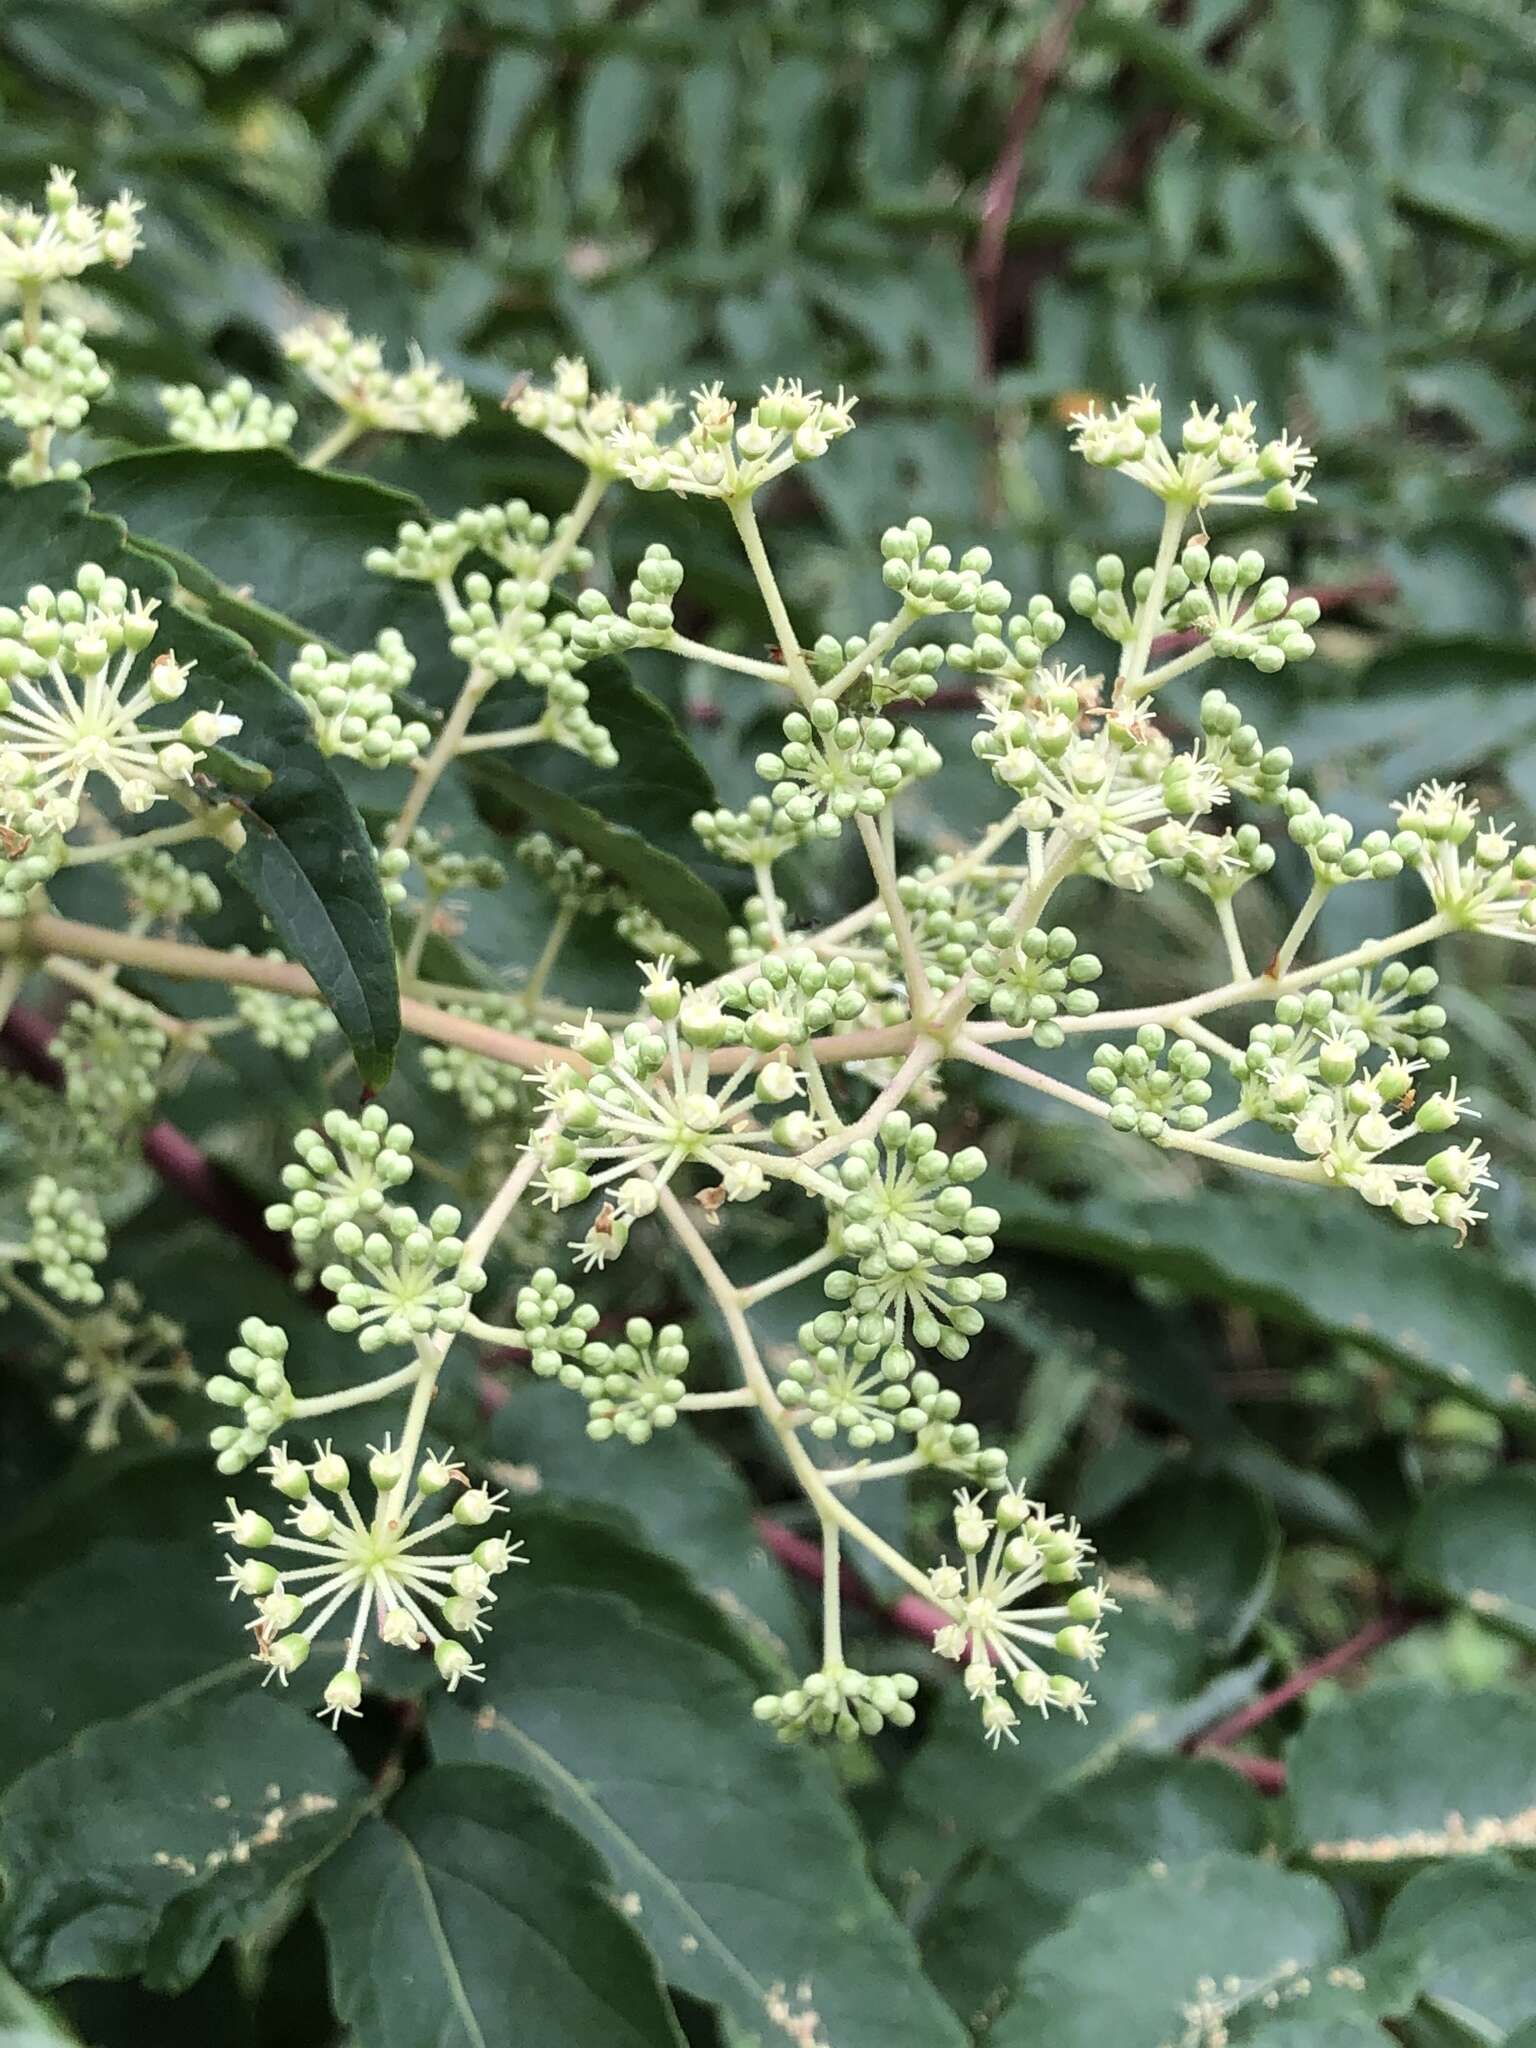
(1302, 1429)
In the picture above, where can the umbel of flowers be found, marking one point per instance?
(815, 1076)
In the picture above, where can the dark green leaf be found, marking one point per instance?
(1405, 1773)
(643, 1739)
(1093, 1833)
(1475, 1929)
(1228, 1918)
(150, 1840)
(473, 1917)
(1209, 1543)
(1454, 1317)
(1476, 1543)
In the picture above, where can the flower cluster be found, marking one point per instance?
(67, 1241)
(719, 455)
(68, 710)
(291, 1025)
(1010, 1554)
(328, 1558)
(119, 1361)
(398, 1278)
(503, 632)
(584, 422)
(1220, 460)
(511, 533)
(352, 701)
(235, 416)
(835, 765)
(349, 369)
(67, 237)
(49, 379)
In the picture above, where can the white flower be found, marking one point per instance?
(67, 237)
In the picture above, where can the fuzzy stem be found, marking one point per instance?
(1237, 959)
(563, 546)
(721, 657)
(1149, 613)
(755, 1374)
(357, 1397)
(1287, 950)
(455, 725)
(142, 842)
(745, 520)
(335, 443)
(919, 994)
(788, 1276)
(831, 1596)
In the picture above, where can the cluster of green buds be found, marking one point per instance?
(163, 890)
(754, 837)
(290, 1025)
(120, 1361)
(257, 1386)
(444, 870)
(68, 714)
(489, 1091)
(1220, 460)
(1153, 1087)
(1030, 978)
(349, 370)
(909, 677)
(928, 579)
(632, 1388)
(568, 412)
(511, 533)
(835, 765)
(555, 1328)
(1005, 652)
(647, 619)
(948, 909)
(236, 416)
(909, 1223)
(502, 631)
(398, 1278)
(853, 1378)
(351, 701)
(66, 1240)
(719, 455)
(1474, 871)
(67, 237)
(790, 997)
(49, 379)
(111, 1052)
(1010, 1554)
(839, 1702)
(576, 883)
(1328, 840)
(330, 1558)
(32, 851)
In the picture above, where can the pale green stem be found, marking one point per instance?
(880, 641)
(1191, 1027)
(559, 931)
(872, 1470)
(430, 1353)
(1237, 959)
(789, 1276)
(964, 864)
(721, 657)
(920, 1056)
(1149, 613)
(1180, 665)
(455, 725)
(43, 1310)
(504, 740)
(359, 1396)
(335, 443)
(40, 439)
(1026, 909)
(1232, 1121)
(831, 1596)
(732, 1397)
(1306, 917)
(773, 910)
(142, 842)
(816, 1089)
(1173, 1141)
(745, 521)
(560, 549)
(502, 1334)
(421, 931)
(99, 984)
(755, 1374)
(499, 1208)
(919, 994)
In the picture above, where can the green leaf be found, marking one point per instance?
(25, 2022)
(307, 861)
(496, 1921)
(1094, 1832)
(1128, 1966)
(684, 903)
(1482, 199)
(1475, 1929)
(150, 1840)
(748, 1873)
(1406, 1772)
(957, 1794)
(290, 541)
(1456, 1318)
(1208, 1542)
(677, 1493)
(1476, 1543)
